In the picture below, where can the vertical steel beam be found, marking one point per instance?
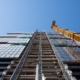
(36, 76)
(40, 58)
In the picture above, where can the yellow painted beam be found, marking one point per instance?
(72, 35)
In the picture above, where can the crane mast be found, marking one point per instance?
(70, 34)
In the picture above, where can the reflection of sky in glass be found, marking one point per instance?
(10, 51)
(15, 46)
(63, 55)
(18, 38)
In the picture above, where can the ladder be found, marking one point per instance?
(18, 69)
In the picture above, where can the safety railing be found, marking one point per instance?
(18, 69)
(60, 62)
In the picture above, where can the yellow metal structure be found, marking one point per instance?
(72, 35)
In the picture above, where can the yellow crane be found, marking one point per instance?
(72, 35)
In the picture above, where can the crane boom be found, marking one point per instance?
(72, 35)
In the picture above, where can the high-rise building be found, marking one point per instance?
(40, 55)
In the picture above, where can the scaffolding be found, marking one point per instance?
(47, 56)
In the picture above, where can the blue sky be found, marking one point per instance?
(29, 15)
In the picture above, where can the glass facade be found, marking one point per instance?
(14, 46)
(11, 47)
(10, 51)
(64, 56)
(68, 52)
(61, 52)
(15, 40)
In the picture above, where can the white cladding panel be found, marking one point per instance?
(16, 42)
(10, 51)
